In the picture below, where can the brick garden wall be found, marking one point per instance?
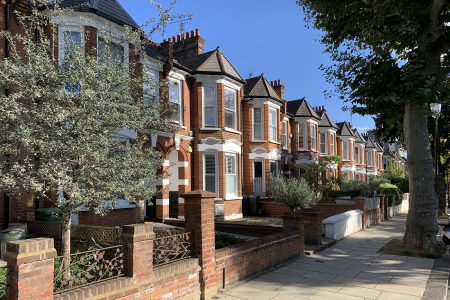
(246, 259)
(117, 217)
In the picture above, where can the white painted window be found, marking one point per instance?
(284, 139)
(273, 125)
(110, 49)
(370, 158)
(258, 128)
(273, 168)
(230, 108)
(301, 135)
(323, 143)
(313, 136)
(333, 138)
(344, 150)
(175, 100)
(210, 105)
(210, 172)
(350, 145)
(231, 174)
(151, 87)
(357, 154)
(70, 39)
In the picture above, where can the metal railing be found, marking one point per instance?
(171, 248)
(88, 267)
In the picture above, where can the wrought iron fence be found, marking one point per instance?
(88, 267)
(3, 275)
(171, 248)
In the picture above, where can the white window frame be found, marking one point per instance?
(303, 135)
(370, 158)
(356, 153)
(313, 137)
(147, 89)
(61, 30)
(284, 135)
(332, 144)
(271, 126)
(235, 111)
(277, 171)
(236, 183)
(180, 103)
(261, 123)
(352, 150)
(324, 143)
(216, 173)
(115, 40)
(214, 86)
(345, 153)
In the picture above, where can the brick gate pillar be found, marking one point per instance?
(293, 224)
(31, 268)
(312, 224)
(199, 221)
(138, 242)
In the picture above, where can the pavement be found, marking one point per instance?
(352, 269)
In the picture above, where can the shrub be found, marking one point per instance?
(401, 182)
(294, 192)
(376, 182)
(393, 192)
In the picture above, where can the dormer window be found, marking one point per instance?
(175, 100)
(273, 125)
(230, 108)
(323, 143)
(209, 105)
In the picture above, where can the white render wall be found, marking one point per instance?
(339, 226)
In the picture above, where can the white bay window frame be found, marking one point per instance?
(323, 142)
(273, 125)
(301, 135)
(229, 110)
(284, 138)
(209, 104)
(259, 122)
(231, 175)
(61, 39)
(211, 174)
(313, 136)
(178, 102)
(345, 150)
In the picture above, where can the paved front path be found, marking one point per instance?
(352, 269)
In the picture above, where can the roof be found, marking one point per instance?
(370, 143)
(325, 120)
(345, 130)
(213, 62)
(301, 108)
(259, 87)
(108, 9)
(359, 137)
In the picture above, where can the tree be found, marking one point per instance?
(295, 192)
(62, 123)
(388, 61)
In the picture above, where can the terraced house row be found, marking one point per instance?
(234, 132)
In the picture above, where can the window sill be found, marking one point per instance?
(231, 197)
(210, 128)
(274, 142)
(259, 141)
(232, 130)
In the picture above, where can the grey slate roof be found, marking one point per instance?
(345, 129)
(259, 87)
(370, 143)
(301, 108)
(213, 62)
(108, 9)
(326, 121)
(359, 137)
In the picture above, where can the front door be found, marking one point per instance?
(258, 180)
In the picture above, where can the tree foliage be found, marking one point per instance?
(295, 192)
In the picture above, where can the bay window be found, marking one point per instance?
(301, 136)
(151, 87)
(357, 154)
(333, 138)
(323, 143)
(70, 40)
(230, 109)
(175, 100)
(285, 135)
(110, 50)
(313, 137)
(273, 125)
(209, 105)
(258, 132)
(231, 174)
(370, 158)
(210, 173)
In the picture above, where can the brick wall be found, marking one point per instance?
(247, 259)
(115, 217)
(233, 208)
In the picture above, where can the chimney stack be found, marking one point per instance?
(279, 88)
(187, 45)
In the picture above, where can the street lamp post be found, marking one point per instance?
(436, 111)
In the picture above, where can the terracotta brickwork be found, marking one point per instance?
(117, 217)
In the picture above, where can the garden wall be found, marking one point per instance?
(238, 262)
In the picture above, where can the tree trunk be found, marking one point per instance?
(421, 225)
(65, 237)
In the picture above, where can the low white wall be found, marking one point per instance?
(339, 226)
(372, 203)
(405, 203)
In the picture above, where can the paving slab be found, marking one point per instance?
(350, 270)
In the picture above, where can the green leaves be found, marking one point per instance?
(294, 192)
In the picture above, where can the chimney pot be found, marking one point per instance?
(178, 37)
(192, 33)
(187, 35)
(279, 82)
(197, 32)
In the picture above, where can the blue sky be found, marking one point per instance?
(260, 36)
